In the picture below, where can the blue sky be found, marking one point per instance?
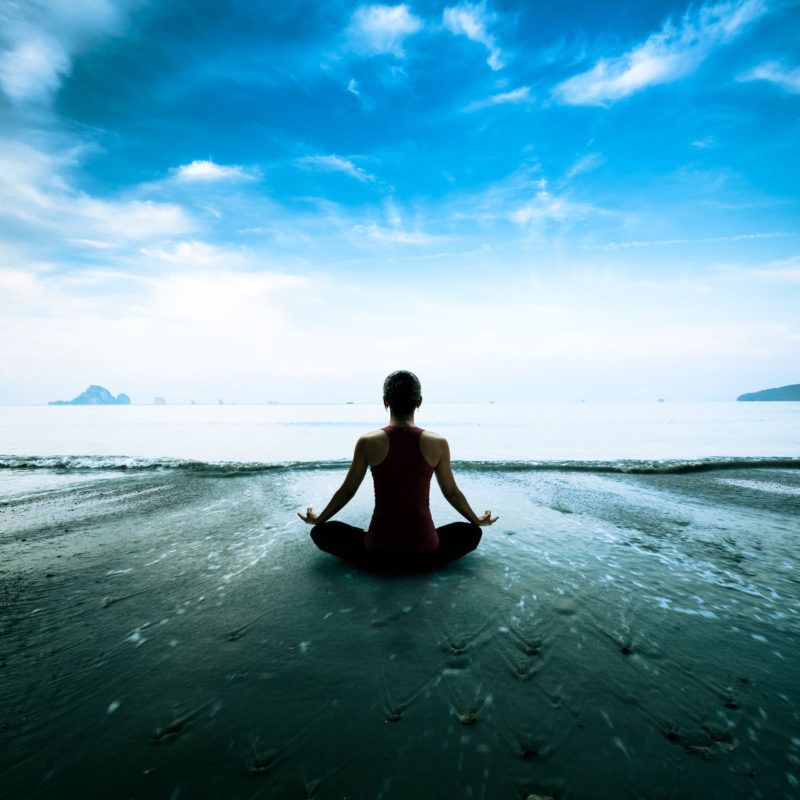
(286, 201)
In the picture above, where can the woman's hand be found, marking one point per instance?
(311, 518)
(485, 519)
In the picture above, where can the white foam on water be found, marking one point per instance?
(762, 486)
(136, 637)
(621, 745)
(696, 612)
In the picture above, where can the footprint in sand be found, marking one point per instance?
(264, 761)
(171, 731)
(459, 644)
(530, 645)
(393, 711)
(178, 726)
(468, 714)
(261, 764)
(237, 633)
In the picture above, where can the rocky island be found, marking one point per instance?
(94, 396)
(791, 392)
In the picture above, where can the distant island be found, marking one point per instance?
(791, 392)
(94, 396)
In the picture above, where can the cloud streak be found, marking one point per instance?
(548, 207)
(672, 53)
(472, 21)
(515, 96)
(636, 244)
(393, 235)
(333, 163)
(585, 164)
(787, 78)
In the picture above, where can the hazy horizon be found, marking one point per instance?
(376, 403)
(254, 203)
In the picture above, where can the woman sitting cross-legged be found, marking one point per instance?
(402, 458)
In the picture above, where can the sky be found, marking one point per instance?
(286, 201)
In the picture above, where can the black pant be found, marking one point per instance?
(347, 542)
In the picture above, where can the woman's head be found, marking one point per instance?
(402, 392)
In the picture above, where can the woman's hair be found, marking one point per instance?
(402, 391)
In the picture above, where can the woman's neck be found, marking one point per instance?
(406, 422)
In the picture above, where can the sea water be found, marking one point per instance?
(477, 432)
(629, 627)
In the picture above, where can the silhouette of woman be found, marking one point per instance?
(402, 458)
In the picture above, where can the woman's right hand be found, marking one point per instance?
(311, 518)
(486, 519)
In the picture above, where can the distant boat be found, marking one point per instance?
(660, 399)
(350, 403)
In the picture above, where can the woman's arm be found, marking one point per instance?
(454, 495)
(344, 494)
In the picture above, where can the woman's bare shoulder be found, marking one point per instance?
(373, 439)
(433, 447)
(376, 434)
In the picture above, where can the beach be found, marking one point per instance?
(172, 632)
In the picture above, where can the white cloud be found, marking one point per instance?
(194, 254)
(521, 95)
(334, 163)
(251, 334)
(208, 171)
(33, 69)
(706, 143)
(585, 164)
(547, 207)
(131, 220)
(36, 196)
(386, 235)
(740, 237)
(352, 87)
(146, 327)
(786, 270)
(471, 20)
(40, 38)
(377, 29)
(673, 52)
(788, 78)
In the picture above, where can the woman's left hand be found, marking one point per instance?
(311, 518)
(485, 519)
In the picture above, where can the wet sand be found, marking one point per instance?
(169, 634)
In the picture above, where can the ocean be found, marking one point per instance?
(628, 628)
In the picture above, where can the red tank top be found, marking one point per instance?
(401, 522)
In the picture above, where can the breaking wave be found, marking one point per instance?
(632, 466)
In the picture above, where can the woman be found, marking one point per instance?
(402, 458)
